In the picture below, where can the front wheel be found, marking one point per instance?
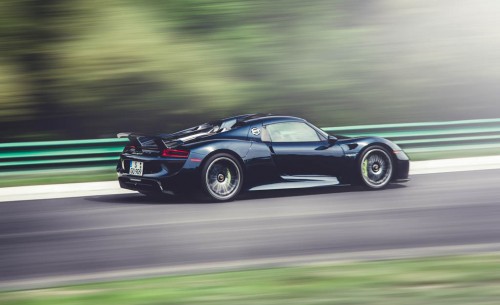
(222, 177)
(375, 167)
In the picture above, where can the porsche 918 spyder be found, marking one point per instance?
(221, 159)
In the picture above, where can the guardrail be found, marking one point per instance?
(71, 155)
(102, 154)
(425, 137)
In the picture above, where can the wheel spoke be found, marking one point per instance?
(376, 168)
(222, 178)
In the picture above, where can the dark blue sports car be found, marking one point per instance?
(255, 152)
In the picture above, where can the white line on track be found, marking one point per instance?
(53, 191)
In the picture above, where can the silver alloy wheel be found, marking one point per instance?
(376, 168)
(223, 178)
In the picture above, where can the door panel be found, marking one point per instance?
(297, 149)
(306, 158)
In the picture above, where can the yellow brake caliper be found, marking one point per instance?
(364, 168)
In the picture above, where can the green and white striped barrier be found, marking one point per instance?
(426, 137)
(94, 154)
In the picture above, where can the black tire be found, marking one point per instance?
(222, 177)
(375, 167)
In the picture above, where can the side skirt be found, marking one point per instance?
(297, 182)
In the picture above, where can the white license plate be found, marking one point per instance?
(136, 168)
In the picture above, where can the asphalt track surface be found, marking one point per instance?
(88, 235)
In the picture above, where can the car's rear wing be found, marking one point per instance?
(173, 139)
(123, 134)
(149, 141)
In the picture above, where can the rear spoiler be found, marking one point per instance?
(160, 141)
(123, 134)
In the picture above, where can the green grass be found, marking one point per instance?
(461, 280)
(55, 178)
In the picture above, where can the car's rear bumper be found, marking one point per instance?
(159, 174)
(184, 180)
(141, 184)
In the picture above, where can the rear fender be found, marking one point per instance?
(202, 149)
(236, 148)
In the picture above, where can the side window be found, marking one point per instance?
(292, 132)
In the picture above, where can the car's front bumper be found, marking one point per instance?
(402, 171)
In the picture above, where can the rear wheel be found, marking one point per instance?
(375, 167)
(222, 177)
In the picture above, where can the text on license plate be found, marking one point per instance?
(136, 168)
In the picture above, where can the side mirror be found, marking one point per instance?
(332, 139)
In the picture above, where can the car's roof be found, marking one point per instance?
(246, 119)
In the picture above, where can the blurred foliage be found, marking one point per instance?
(75, 69)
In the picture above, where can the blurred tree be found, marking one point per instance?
(28, 31)
(74, 69)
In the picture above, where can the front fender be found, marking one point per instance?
(354, 147)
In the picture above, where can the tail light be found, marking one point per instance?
(175, 153)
